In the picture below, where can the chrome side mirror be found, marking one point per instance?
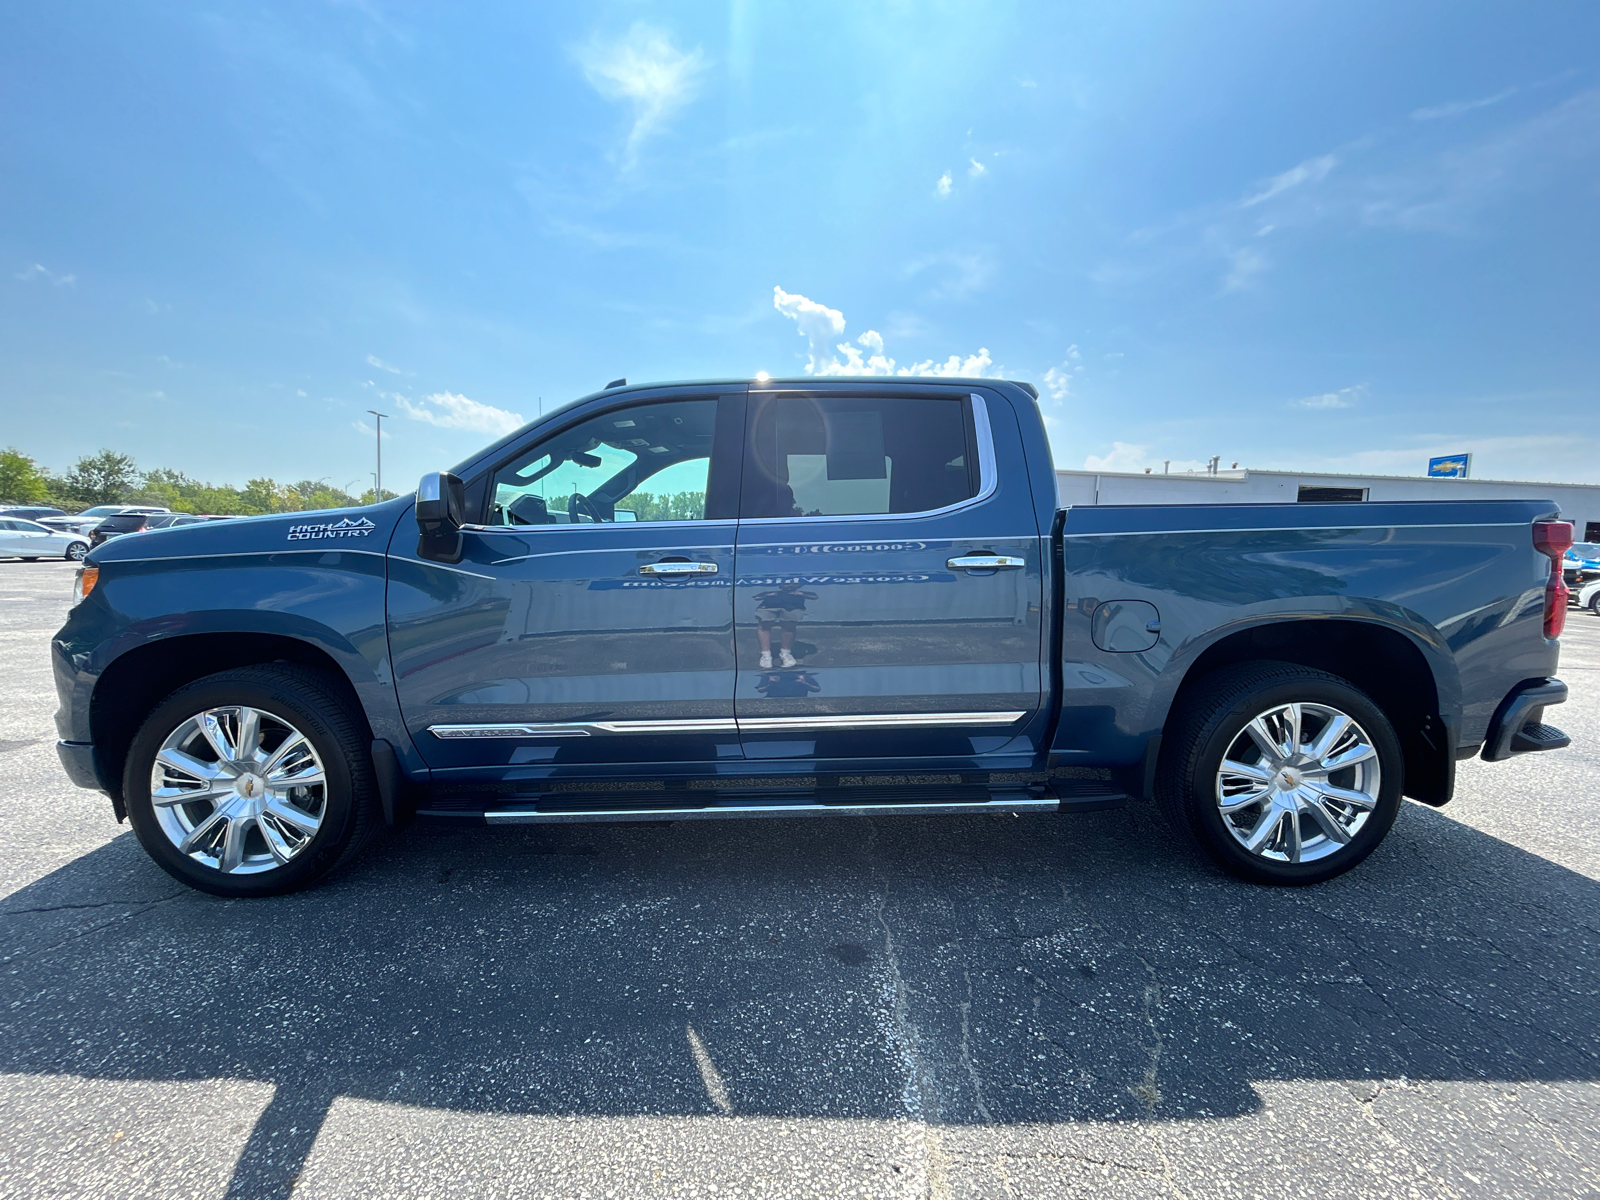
(441, 501)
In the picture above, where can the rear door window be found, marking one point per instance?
(809, 456)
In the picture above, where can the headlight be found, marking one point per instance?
(83, 583)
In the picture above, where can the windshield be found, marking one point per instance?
(101, 510)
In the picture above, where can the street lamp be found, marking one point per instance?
(377, 487)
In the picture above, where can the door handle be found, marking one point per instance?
(678, 568)
(986, 562)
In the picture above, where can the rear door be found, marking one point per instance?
(590, 618)
(889, 576)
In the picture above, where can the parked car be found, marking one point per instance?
(31, 541)
(85, 521)
(135, 521)
(843, 582)
(1581, 565)
(32, 512)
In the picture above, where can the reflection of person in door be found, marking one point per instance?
(776, 684)
(783, 608)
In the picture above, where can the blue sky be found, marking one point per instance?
(1317, 236)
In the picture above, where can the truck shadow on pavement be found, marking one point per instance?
(960, 970)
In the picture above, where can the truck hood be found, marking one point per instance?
(367, 528)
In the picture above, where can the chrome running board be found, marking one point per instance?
(535, 816)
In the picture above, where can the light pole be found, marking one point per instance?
(377, 485)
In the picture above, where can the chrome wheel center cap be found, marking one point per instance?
(250, 787)
(1289, 778)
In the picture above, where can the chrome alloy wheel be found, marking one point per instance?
(1298, 782)
(238, 789)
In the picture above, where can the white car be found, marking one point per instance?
(29, 540)
(1588, 596)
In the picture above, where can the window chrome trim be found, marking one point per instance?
(593, 525)
(727, 725)
(988, 480)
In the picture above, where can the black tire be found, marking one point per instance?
(1215, 714)
(1594, 604)
(30, 560)
(306, 700)
(76, 552)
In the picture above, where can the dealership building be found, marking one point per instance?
(1579, 502)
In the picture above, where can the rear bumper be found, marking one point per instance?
(77, 758)
(1518, 726)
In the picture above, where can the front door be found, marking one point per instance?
(889, 579)
(590, 618)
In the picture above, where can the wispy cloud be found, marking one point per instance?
(944, 186)
(1313, 170)
(957, 273)
(374, 361)
(976, 168)
(366, 430)
(820, 325)
(1345, 397)
(647, 71)
(449, 410)
(40, 271)
(1441, 111)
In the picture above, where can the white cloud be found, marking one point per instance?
(1058, 382)
(942, 188)
(374, 361)
(820, 325)
(977, 168)
(40, 271)
(645, 69)
(1461, 106)
(1313, 170)
(448, 410)
(1343, 398)
(366, 430)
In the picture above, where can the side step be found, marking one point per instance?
(915, 808)
(1087, 795)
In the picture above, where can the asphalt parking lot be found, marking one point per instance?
(962, 1007)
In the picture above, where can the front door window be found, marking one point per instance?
(646, 463)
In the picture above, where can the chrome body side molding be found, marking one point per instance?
(584, 728)
(729, 725)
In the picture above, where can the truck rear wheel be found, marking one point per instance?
(1285, 774)
(251, 782)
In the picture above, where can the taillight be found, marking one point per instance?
(1553, 539)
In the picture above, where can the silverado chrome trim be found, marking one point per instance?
(877, 721)
(583, 728)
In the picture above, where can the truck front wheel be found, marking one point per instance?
(251, 782)
(1285, 774)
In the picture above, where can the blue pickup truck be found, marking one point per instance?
(773, 598)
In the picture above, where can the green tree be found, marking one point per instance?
(21, 480)
(104, 478)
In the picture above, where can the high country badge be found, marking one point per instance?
(334, 529)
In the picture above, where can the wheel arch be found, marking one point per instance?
(1383, 661)
(133, 683)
